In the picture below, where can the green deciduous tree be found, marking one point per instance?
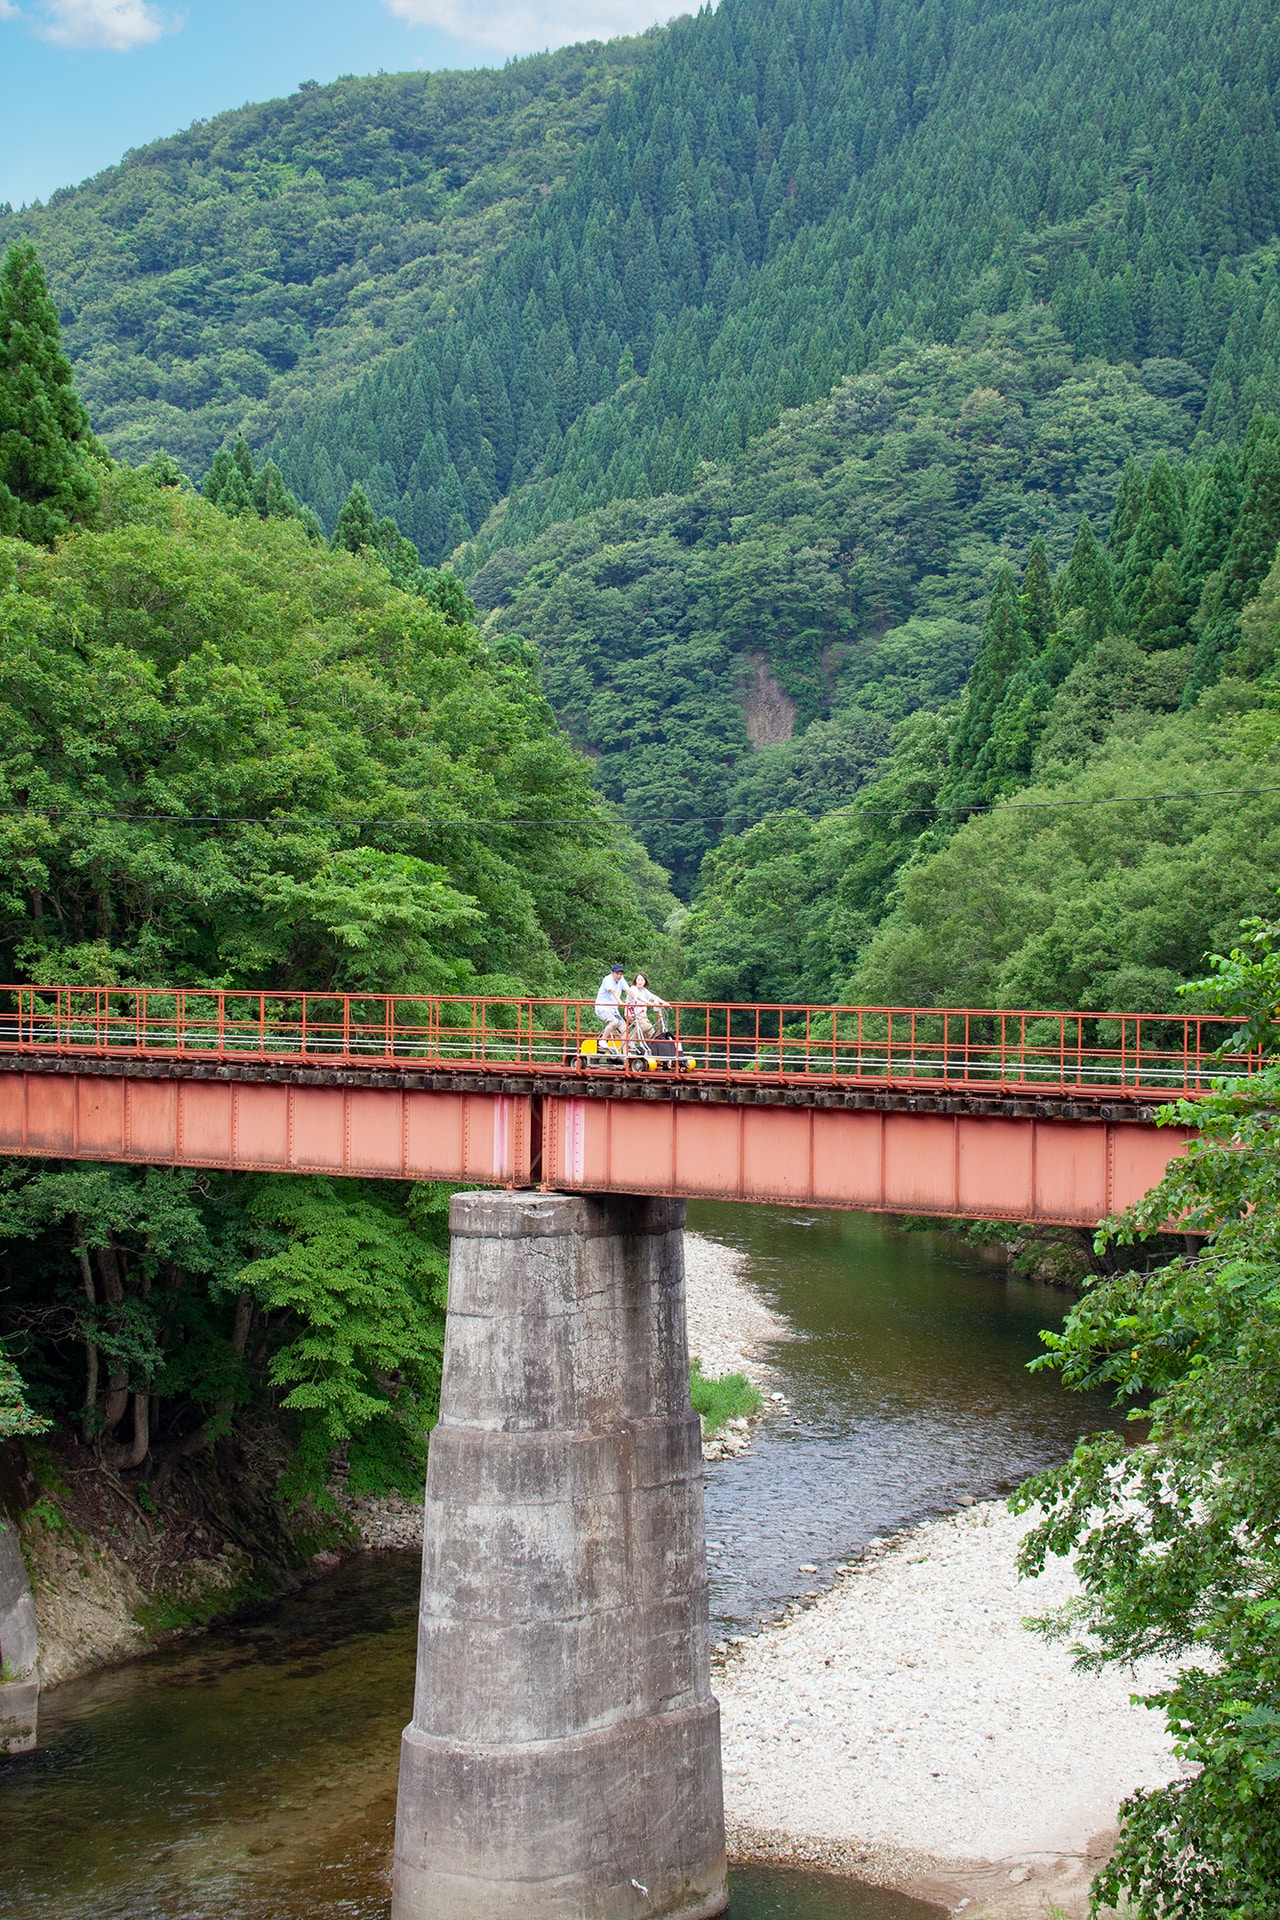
(16, 1418)
(361, 1277)
(232, 756)
(1177, 1541)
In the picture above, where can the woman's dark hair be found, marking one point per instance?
(640, 979)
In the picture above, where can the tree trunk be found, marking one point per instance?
(109, 1268)
(118, 1384)
(141, 1430)
(116, 1401)
(133, 1454)
(90, 1346)
(243, 1321)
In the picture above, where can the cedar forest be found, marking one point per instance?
(793, 498)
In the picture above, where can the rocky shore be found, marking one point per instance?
(729, 1324)
(909, 1728)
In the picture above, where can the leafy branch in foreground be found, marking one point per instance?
(1178, 1541)
(16, 1416)
(361, 1277)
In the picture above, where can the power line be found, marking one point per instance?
(89, 813)
(1100, 800)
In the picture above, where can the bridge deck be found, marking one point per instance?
(990, 1114)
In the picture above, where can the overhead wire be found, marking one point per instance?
(579, 819)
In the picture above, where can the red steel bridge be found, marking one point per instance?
(990, 1114)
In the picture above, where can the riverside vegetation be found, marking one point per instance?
(203, 713)
(857, 426)
(1176, 1540)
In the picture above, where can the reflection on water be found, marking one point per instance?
(250, 1775)
(770, 1893)
(907, 1389)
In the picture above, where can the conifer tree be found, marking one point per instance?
(1253, 543)
(1249, 555)
(1084, 604)
(1037, 599)
(1001, 653)
(1159, 526)
(1215, 507)
(1160, 618)
(357, 527)
(235, 495)
(1126, 512)
(1004, 762)
(46, 474)
(270, 495)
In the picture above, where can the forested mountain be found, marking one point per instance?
(785, 189)
(1089, 820)
(822, 316)
(586, 273)
(836, 573)
(233, 274)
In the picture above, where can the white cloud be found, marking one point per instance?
(8, 11)
(527, 26)
(116, 25)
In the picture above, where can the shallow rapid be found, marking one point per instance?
(906, 1388)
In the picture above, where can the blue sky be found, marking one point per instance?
(85, 79)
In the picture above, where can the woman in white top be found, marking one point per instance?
(639, 999)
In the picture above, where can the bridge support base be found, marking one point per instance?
(563, 1762)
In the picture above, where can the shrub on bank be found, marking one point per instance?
(717, 1399)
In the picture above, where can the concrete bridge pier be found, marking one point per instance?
(563, 1762)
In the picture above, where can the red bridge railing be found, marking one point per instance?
(958, 1048)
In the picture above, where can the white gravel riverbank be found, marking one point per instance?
(728, 1321)
(907, 1727)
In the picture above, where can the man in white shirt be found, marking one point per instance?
(610, 999)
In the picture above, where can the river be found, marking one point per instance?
(250, 1774)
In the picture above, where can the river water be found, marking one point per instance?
(250, 1774)
(907, 1390)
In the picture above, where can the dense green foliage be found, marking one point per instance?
(784, 190)
(1109, 748)
(231, 756)
(1176, 1540)
(752, 211)
(16, 1417)
(224, 278)
(163, 1306)
(234, 755)
(845, 558)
